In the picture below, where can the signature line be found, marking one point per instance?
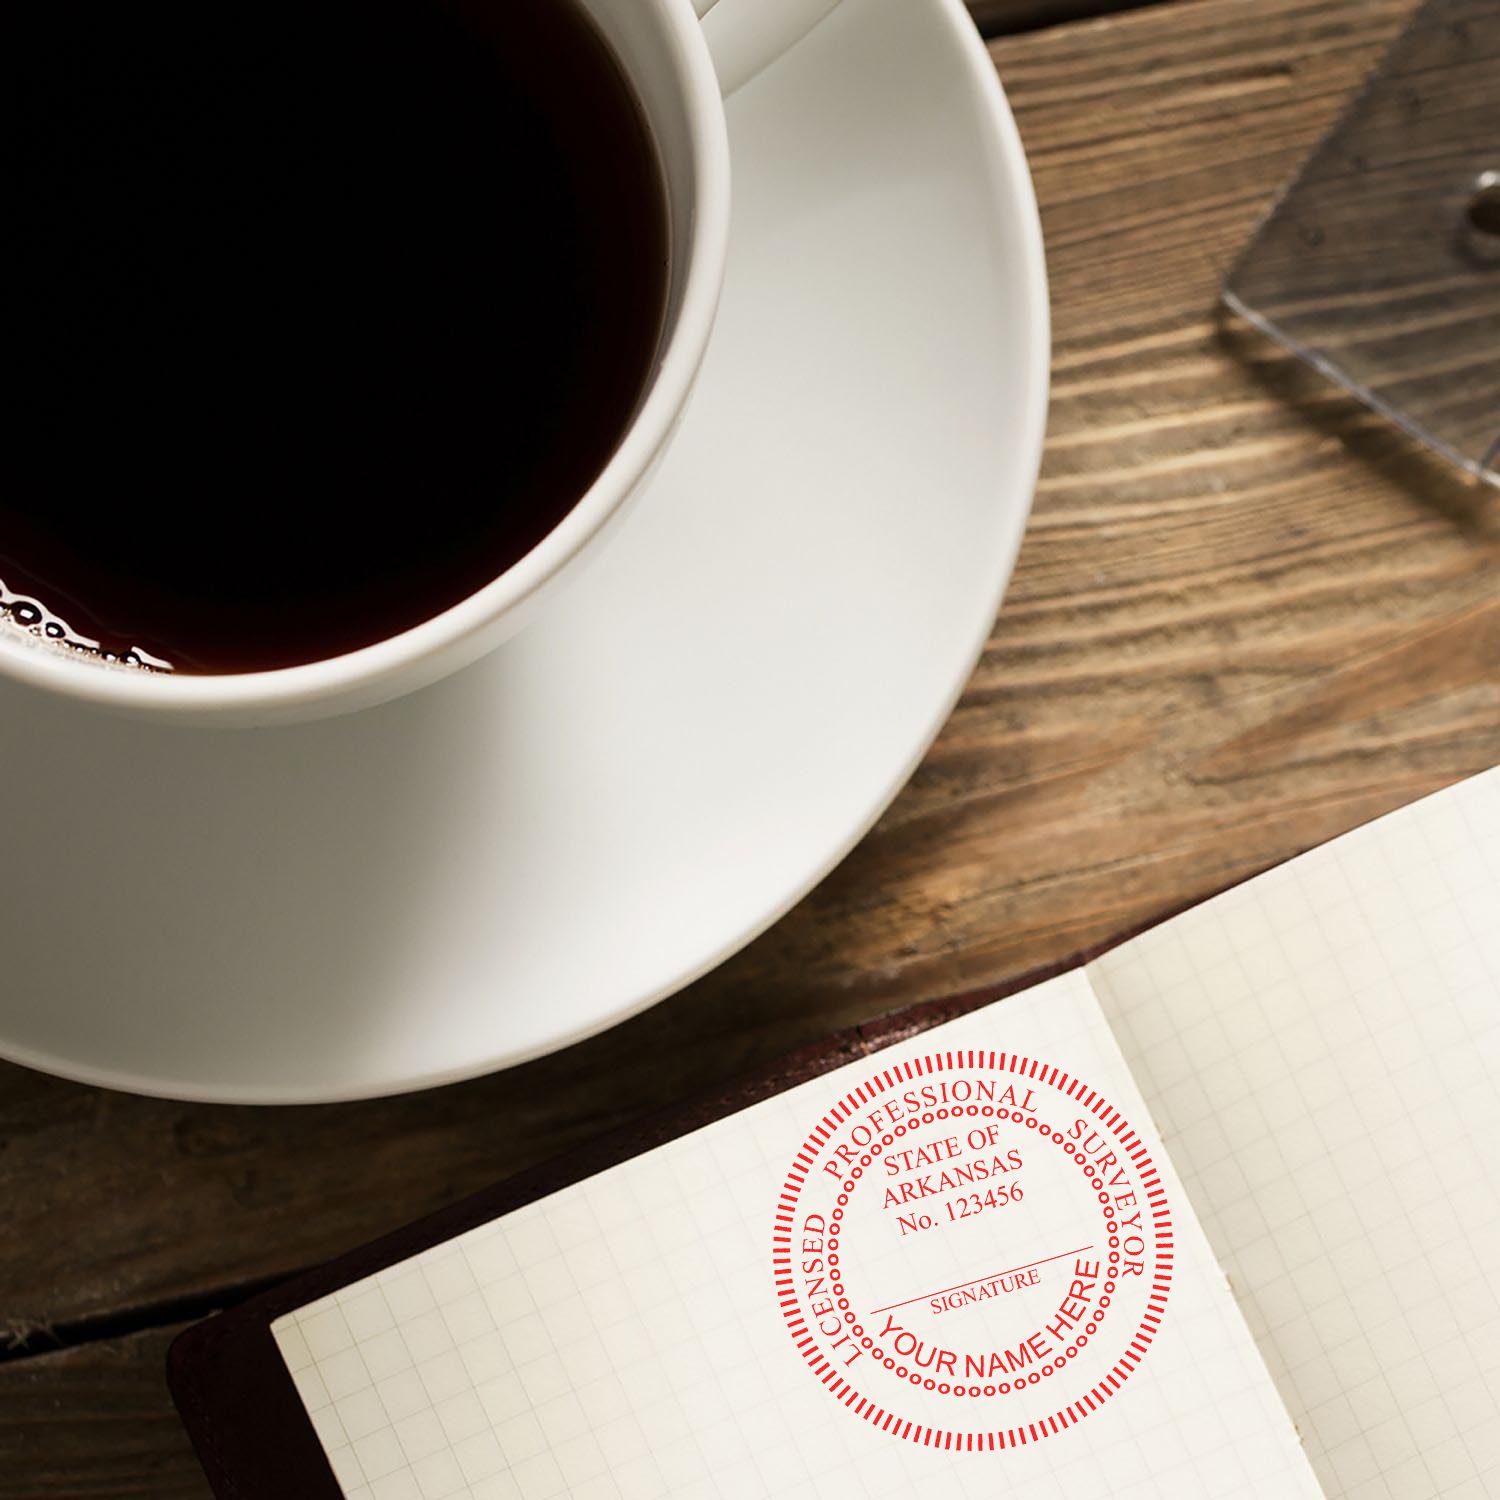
(943, 1292)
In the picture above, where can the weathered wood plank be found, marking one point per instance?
(95, 1423)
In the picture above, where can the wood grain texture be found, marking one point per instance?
(96, 1421)
(1247, 616)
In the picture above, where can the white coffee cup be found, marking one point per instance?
(681, 67)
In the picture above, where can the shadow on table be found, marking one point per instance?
(1471, 506)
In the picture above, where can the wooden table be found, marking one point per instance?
(1247, 617)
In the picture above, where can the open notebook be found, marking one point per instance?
(1217, 1215)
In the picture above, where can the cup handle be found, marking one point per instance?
(746, 36)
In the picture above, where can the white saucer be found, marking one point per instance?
(644, 780)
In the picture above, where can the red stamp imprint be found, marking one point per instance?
(972, 1250)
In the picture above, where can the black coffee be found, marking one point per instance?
(318, 313)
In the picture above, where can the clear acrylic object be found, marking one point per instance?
(1379, 264)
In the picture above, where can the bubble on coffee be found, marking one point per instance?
(21, 612)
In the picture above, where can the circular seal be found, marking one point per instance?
(972, 1250)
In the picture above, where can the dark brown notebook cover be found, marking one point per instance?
(229, 1380)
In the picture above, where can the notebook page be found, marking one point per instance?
(1320, 1048)
(952, 1269)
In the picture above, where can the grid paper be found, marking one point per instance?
(622, 1339)
(1320, 1048)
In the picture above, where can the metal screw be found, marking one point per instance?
(1484, 206)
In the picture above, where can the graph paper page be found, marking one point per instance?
(1320, 1048)
(959, 1268)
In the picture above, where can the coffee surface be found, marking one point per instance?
(318, 314)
